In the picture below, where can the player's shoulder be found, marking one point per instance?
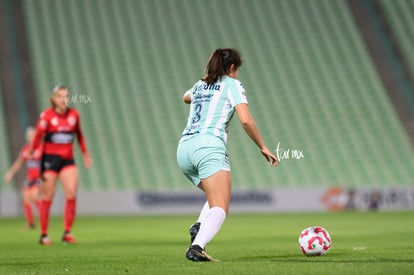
(72, 116)
(47, 113)
(234, 81)
(197, 85)
(235, 85)
(239, 84)
(199, 82)
(73, 112)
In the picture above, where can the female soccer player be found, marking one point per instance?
(57, 127)
(201, 152)
(32, 181)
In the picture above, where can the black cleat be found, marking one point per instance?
(194, 231)
(197, 254)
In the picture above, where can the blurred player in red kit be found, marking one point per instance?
(32, 181)
(57, 127)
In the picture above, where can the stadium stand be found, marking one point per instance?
(310, 83)
(4, 156)
(400, 19)
(400, 15)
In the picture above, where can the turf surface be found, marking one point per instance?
(363, 243)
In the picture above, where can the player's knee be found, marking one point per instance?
(47, 196)
(70, 196)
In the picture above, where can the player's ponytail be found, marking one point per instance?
(219, 64)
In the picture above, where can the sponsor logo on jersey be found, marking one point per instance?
(31, 163)
(62, 138)
(211, 87)
(72, 120)
(203, 97)
(54, 121)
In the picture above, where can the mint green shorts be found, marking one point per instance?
(201, 156)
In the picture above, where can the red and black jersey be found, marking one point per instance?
(32, 162)
(58, 131)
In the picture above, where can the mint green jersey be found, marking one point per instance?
(212, 107)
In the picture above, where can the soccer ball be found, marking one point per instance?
(315, 241)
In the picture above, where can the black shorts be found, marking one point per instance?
(54, 163)
(32, 183)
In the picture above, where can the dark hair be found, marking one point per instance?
(219, 64)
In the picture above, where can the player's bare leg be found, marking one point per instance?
(218, 191)
(70, 180)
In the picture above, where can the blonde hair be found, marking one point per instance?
(56, 89)
(28, 130)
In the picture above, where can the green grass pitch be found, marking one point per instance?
(363, 243)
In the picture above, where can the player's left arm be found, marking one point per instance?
(239, 101)
(250, 127)
(87, 160)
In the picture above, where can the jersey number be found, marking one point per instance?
(197, 111)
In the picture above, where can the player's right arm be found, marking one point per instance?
(187, 97)
(249, 125)
(17, 164)
(41, 127)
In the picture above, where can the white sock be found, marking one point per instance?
(211, 225)
(204, 212)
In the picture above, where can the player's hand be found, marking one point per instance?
(269, 156)
(87, 160)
